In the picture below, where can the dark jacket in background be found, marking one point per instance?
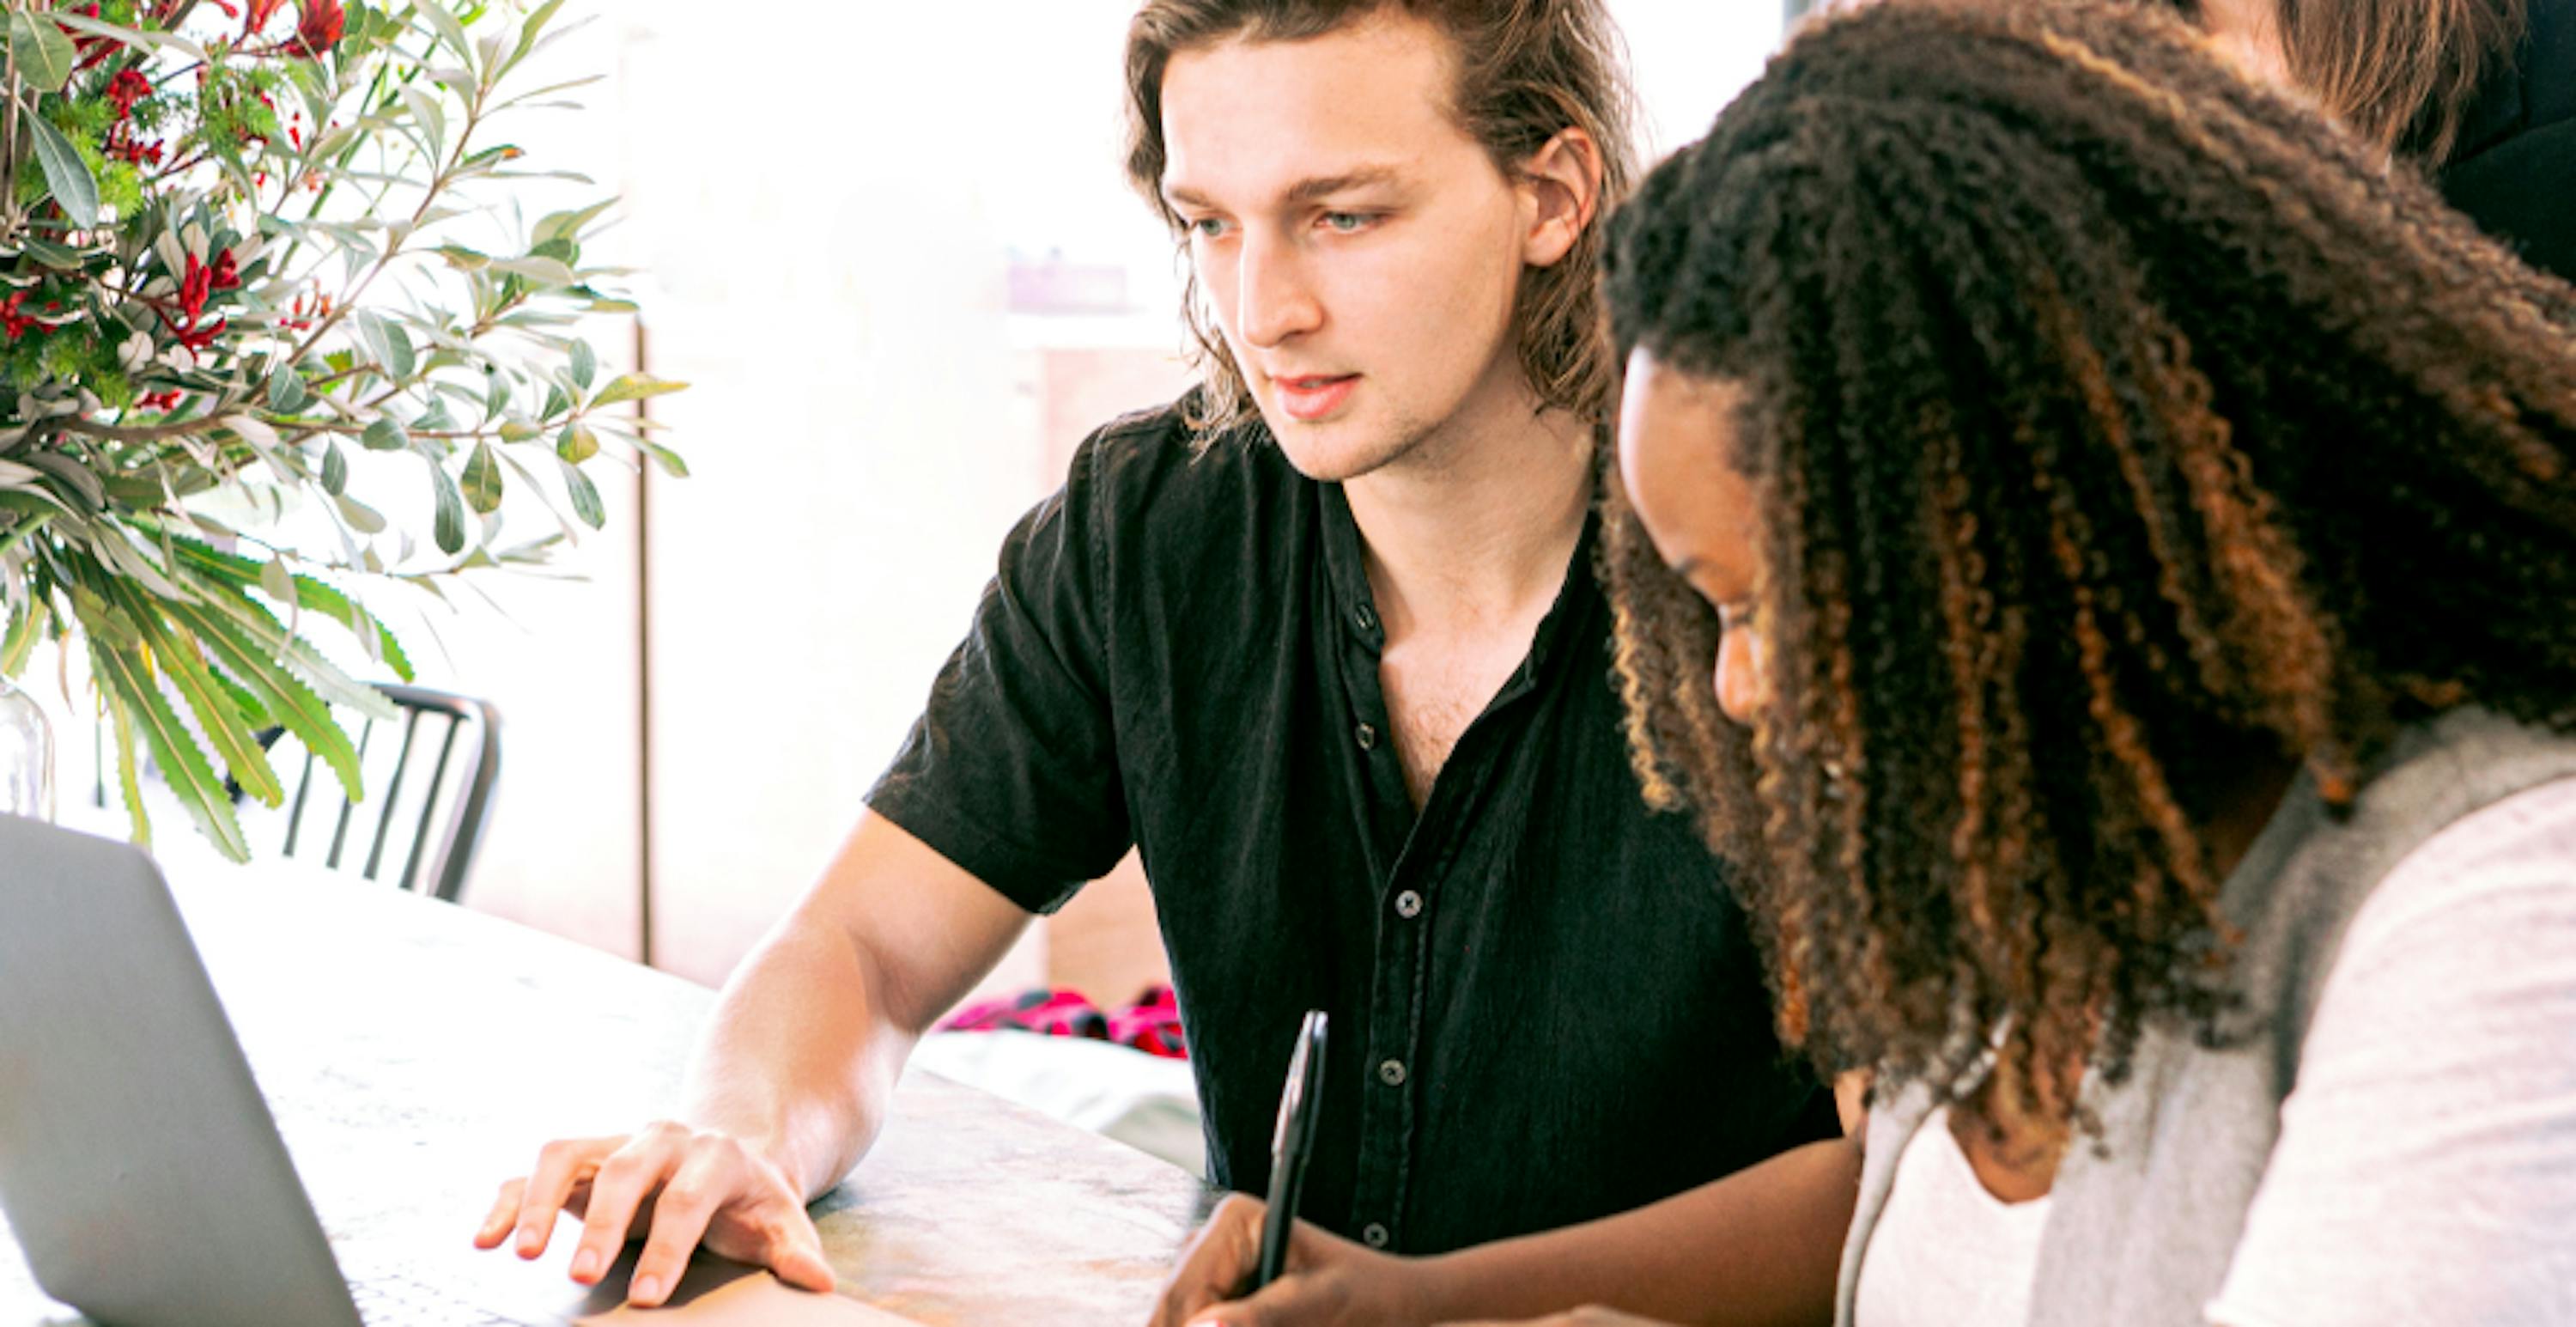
(2514, 171)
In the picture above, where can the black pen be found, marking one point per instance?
(1292, 1143)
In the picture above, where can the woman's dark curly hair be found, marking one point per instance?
(2119, 426)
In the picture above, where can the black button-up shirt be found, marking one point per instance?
(1545, 1005)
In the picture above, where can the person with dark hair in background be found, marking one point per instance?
(1321, 640)
(2096, 546)
(2479, 94)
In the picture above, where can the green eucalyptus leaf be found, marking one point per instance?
(65, 173)
(635, 387)
(286, 392)
(584, 365)
(384, 435)
(277, 580)
(388, 342)
(60, 257)
(664, 457)
(445, 25)
(335, 469)
(530, 31)
(482, 480)
(547, 272)
(361, 517)
(567, 225)
(432, 120)
(585, 496)
(576, 443)
(43, 55)
(168, 41)
(448, 522)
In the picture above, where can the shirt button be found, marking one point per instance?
(1374, 1235)
(1408, 905)
(1368, 737)
(1365, 616)
(1391, 1073)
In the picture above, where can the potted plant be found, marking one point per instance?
(253, 256)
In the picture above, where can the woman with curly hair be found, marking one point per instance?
(2133, 532)
(2135, 537)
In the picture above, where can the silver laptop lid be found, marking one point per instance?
(139, 1167)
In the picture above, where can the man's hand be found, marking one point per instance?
(678, 1188)
(1328, 1281)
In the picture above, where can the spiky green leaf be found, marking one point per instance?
(182, 762)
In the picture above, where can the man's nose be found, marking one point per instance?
(1274, 299)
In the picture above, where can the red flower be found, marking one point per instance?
(259, 12)
(202, 280)
(128, 87)
(317, 30)
(92, 48)
(12, 321)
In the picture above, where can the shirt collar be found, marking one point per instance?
(1355, 603)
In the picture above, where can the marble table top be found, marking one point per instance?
(415, 1053)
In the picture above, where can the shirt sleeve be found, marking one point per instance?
(2426, 1168)
(1011, 772)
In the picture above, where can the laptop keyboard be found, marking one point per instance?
(390, 1299)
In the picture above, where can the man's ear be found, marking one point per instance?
(1560, 187)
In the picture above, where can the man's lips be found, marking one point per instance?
(1314, 396)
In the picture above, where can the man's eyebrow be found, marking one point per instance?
(1307, 191)
(1304, 191)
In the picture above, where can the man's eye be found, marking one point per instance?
(1347, 223)
(1207, 228)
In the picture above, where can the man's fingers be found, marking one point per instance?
(504, 1214)
(560, 1166)
(630, 1180)
(796, 1254)
(699, 1180)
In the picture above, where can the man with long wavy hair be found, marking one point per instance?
(1322, 640)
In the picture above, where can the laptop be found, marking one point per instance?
(142, 1172)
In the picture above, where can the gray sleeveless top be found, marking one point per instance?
(2141, 1228)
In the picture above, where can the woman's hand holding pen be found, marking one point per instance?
(1329, 1280)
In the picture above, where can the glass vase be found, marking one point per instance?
(26, 756)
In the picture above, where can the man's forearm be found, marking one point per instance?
(1761, 1246)
(800, 1059)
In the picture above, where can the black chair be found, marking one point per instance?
(461, 780)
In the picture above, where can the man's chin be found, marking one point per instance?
(1332, 451)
